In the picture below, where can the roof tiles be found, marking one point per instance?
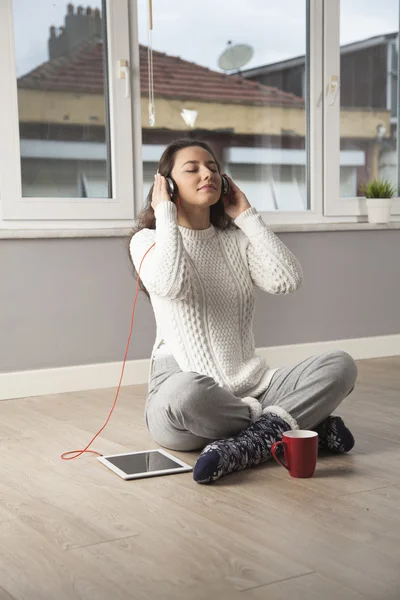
(83, 72)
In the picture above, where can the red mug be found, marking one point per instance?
(300, 452)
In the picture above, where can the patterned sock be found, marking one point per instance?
(334, 435)
(249, 448)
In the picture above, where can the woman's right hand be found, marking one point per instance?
(160, 191)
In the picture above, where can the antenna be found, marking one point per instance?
(236, 56)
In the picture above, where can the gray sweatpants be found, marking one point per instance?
(186, 410)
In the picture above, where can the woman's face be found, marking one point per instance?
(196, 175)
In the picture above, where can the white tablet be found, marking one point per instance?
(144, 464)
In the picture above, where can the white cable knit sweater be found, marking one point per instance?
(201, 286)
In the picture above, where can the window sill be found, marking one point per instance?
(22, 234)
(308, 227)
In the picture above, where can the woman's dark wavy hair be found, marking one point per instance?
(146, 218)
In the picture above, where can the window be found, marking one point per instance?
(299, 99)
(64, 138)
(240, 91)
(67, 149)
(362, 53)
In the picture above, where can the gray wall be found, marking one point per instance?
(68, 302)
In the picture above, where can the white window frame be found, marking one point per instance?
(315, 141)
(19, 212)
(334, 205)
(392, 46)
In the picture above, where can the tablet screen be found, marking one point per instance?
(143, 462)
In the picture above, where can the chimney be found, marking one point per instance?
(80, 25)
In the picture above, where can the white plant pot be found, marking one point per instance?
(379, 210)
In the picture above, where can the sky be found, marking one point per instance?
(199, 30)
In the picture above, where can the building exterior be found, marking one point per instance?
(369, 82)
(257, 129)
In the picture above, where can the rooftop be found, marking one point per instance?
(82, 72)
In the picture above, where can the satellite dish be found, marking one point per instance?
(235, 57)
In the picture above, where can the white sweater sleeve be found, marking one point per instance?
(164, 271)
(272, 266)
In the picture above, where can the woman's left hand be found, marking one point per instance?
(235, 202)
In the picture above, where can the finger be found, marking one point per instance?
(155, 187)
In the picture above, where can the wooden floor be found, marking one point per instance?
(73, 529)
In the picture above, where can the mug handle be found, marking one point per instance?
(273, 452)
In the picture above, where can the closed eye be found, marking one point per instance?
(195, 171)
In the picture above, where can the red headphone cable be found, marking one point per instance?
(77, 453)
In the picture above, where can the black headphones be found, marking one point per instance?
(173, 188)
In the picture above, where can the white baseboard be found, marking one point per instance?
(359, 348)
(106, 375)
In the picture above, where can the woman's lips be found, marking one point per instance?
(208, 187)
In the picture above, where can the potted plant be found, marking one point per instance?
(379, 194)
